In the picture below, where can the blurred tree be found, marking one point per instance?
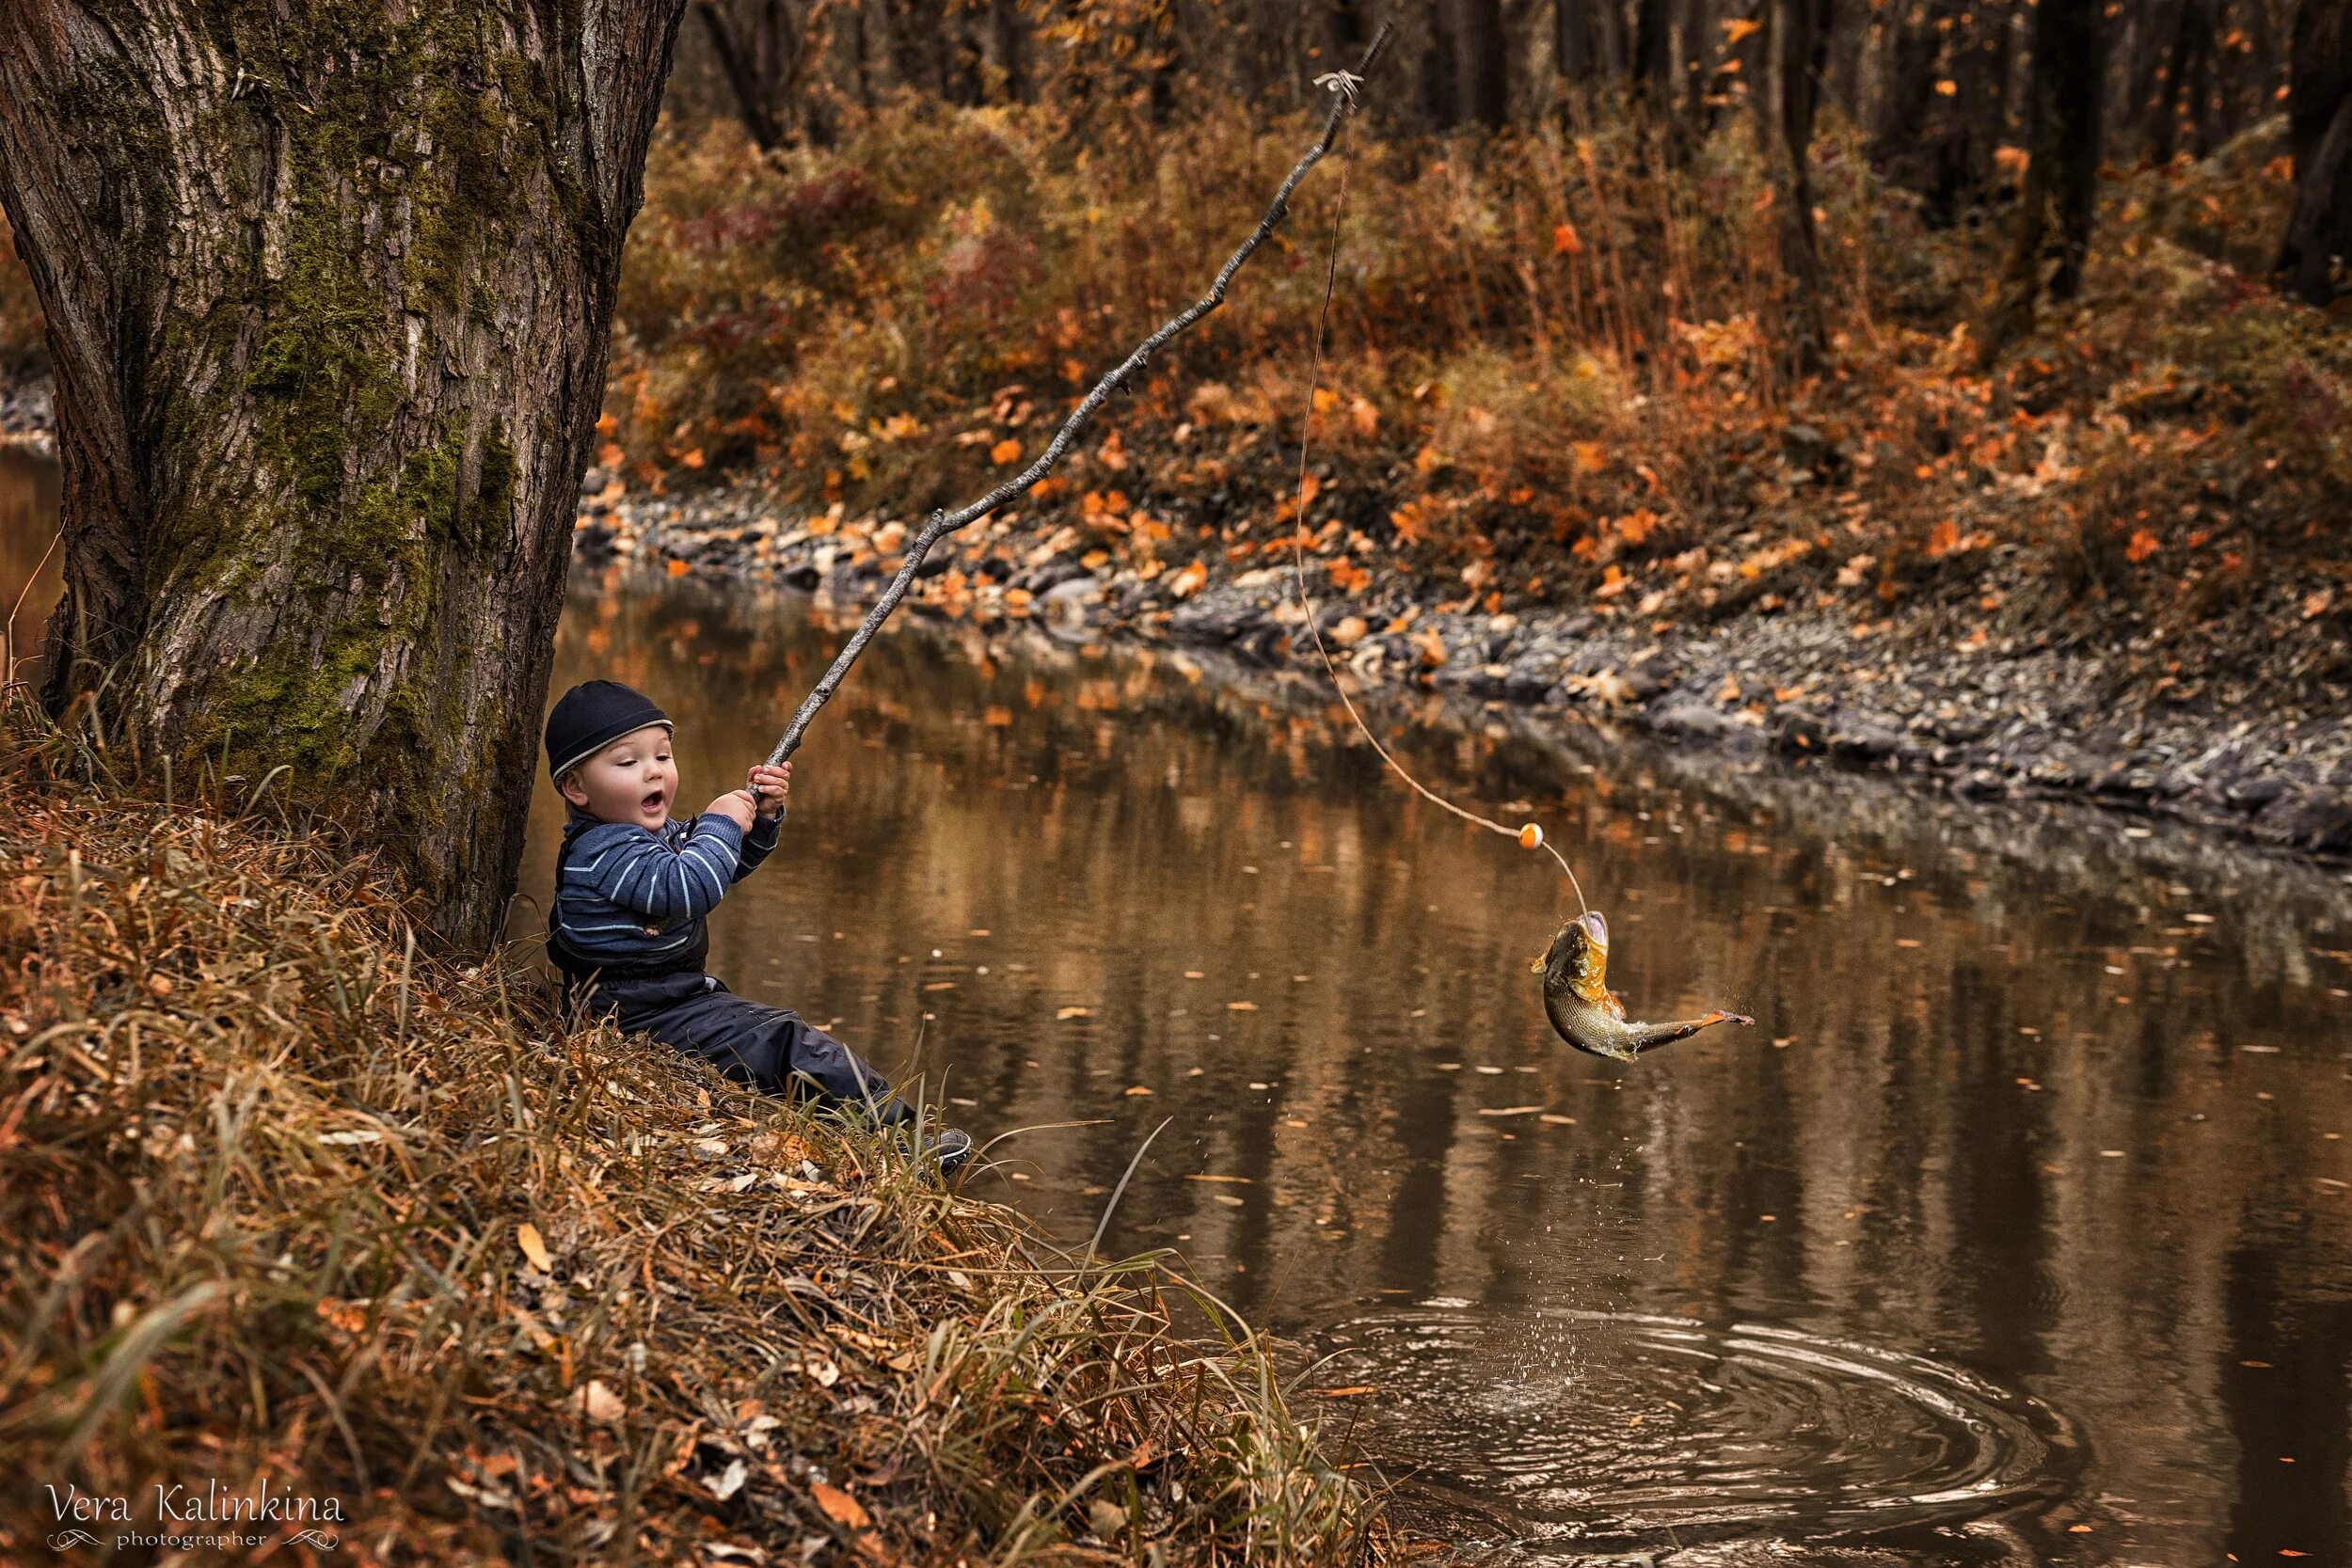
(1801, 30)
(2314, 254)
(1579, 40)
(1486, 91)
(2061, 186)
(760, 46)
(329, 293)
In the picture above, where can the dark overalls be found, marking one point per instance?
(773, 1049)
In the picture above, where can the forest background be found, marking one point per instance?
(1681, 308)
(1969, 326)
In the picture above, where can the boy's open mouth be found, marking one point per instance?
(653, 800)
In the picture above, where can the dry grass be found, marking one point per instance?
(282, 1198)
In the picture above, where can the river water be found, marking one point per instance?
(2016, 1230)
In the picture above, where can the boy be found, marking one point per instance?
(632, 888)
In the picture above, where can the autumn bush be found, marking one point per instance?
(1555, 362)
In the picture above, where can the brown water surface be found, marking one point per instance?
(2015, 1230)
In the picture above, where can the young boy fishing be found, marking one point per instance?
(633, 888)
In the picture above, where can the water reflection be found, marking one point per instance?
(31, 575)
(2032, 1113)
(2025, 1101)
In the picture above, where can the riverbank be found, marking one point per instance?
(2260, 750)
(1556, 458)
(292, 1208)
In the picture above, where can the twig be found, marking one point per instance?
(940, 524)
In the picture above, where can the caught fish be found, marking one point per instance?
(1586, 1013)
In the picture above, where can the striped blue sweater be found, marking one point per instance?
(628, 895)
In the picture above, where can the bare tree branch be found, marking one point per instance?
(940, 524)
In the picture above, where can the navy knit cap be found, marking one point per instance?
(592, 716)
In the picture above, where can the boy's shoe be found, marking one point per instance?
(951, 1146)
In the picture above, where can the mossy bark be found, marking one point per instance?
(329, 288)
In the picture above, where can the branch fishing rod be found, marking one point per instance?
(942, 523)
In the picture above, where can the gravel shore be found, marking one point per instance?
(1982, 716)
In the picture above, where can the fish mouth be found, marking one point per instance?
(1596, 930)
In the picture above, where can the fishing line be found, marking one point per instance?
(1530, 835)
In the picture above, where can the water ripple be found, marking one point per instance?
(1636, 1432)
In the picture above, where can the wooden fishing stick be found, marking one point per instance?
(942, 524)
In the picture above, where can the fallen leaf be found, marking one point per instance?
(1003, 452)
(1565, 241)
(1241, 1006)
(1187, 582)
(598, 1403)
(1067, 1013)
(2142, 545)
(1140, 1088)
(840, 1507)
(535, 1246)
(1353, 1392)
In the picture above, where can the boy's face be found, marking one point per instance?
(633, 780)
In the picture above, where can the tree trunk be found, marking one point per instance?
(2318, 241)
(1800, 42)
(1576, 40)
(329, 299)
(2062, 173)
(1653, 53)
(1486, 67)
(1009, 40)
(759, 52)
(1441, 73)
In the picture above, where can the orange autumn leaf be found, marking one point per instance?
(1326, 400)
(2142, 545)
(1005, 452)
(1945, 535)
(693, 459)
(1566, 241)
(840, 1507)
(1187, 582)
(678, 568)
(526, 1237)
(1364, 417)
(1947, 88)
(1737, 28)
